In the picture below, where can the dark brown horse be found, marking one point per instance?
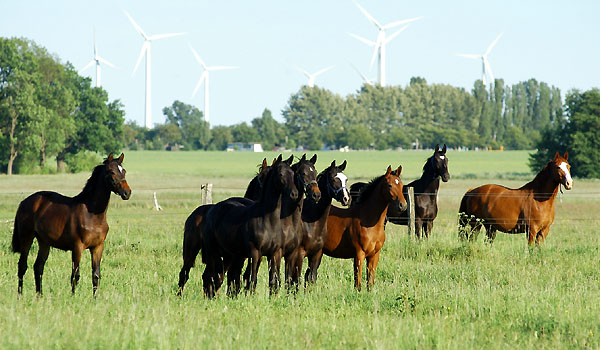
(192, 233)
(529, 209)
(358, 232)
(332, 184)
(234, 230)
(69, 223)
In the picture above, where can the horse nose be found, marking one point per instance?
(316, 196)
(569, 184)
(446, 177)
(294, 194)
(125, 191)
(402, 205)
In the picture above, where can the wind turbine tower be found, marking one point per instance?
(485, 64)
(205, 77)
(96, 60)
(146, 51)
(382, 41)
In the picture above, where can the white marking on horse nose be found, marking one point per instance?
(397, 181)
(564, 168)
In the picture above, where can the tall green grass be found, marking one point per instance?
(438, 293)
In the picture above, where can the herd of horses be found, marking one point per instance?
(286, 213)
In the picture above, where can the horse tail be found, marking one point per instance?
(16, 241)
(192, 237)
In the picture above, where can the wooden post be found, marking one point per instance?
(410, 201)
(157, 207)
(206, 194)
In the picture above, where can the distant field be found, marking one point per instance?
(438, 293)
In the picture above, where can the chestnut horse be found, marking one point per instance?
(358, 232)
(69, 223)
(192, 233)
(529, 209)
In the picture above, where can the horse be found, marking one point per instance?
(69, 223)
(235, 230)
(305, 177)
(332, 185)
(192, 233)
(528, 209)
(358, 232)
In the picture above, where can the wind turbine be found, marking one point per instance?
(381, 41)
(146, 50)
(97, 60)
(311, 77)
(364, 77)
(485, 64)
(205, 78)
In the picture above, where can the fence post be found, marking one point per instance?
(411, 210)
(157, 207)
(206, 194)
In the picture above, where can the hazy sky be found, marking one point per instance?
(552, 41)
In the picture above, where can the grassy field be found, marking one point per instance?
(439, 293)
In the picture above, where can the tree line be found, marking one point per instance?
(47, 111)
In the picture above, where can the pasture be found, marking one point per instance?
(439, 293)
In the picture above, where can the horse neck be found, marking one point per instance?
(374, 208)
(543, 185)
(312, 211)
(95, 195)
(271, 197)
(253, 190)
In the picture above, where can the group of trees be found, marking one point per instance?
(47, 111)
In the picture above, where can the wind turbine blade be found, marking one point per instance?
(106, 62)
(323, 70)
(197, 57)
(162, 36)
(488, 68)
(475, 57)
(222, 68)
(303, 71)
(379, 26)
(388, 39)
(135, 25)
(366, 41)
(86, 66)
(492, 45)
(374, 55)
(361, 75)
(95, 47)
(142, 52)
(199, 83)
(404, 21)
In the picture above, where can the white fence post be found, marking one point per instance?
(411, 210)
(206, 194)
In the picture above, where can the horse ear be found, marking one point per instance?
(342, 166)
(110, 157)
(274, 161)
(120, 160)
(277, 160)
(313, 160)
(333, 164)
(399, 170)
(566, 156)
(290, 160)
(556, 155)
(389, 170)
(444, 149)
(303, 157)
(437, 148)
(264, 163)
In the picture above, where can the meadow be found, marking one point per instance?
(438, 293)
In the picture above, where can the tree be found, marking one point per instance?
(270, 132)
(576, 133)
(195, 131)
(221, 136)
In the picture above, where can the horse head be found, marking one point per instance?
(439, 163)
(336, 183)
(563, 170)
(306, 177)
(283, 176)
(115, 176)
(393, 190)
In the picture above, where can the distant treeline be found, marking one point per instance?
(47, 111)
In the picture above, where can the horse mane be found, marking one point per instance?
(428, 164)
(539, 176)
(368, 189)
(323, 173)
(89, 185)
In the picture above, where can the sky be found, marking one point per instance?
(552, 41)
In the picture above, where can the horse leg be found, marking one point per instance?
(358, 261)
(24, 252)
(75, 258)
(189, 259)
(207, 281)
(314, 261)
(255, 258)
(38, 266)
(233, 277)
(418, 225)
(428, 227)
(96, 253)
(248, 273)
(372, 262)
(274, 276)
(490, 233)
(291, 262)
(541, 235)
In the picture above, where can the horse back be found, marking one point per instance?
(500, 206)
(341, 226)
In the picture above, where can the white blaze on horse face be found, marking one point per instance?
(344, 179)
(442, 157)
(568, 179)
(397, 181)
(120, 169)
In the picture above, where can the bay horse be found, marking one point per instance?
(332, 185)
(425, 193)
(192, 233)
(234, 230)
(69, 223)
(528, 209)
(358, 232)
